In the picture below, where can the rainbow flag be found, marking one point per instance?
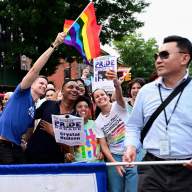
(84, 33)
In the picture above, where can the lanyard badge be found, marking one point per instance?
(164, 142)
(164, 145)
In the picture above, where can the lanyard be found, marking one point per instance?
(165, 114)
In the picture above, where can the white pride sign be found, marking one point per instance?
(100, 66)
(68, 129)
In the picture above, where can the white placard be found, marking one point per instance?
(68, 129)
(100, 66)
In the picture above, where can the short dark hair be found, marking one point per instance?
(44, 77)
(82, 98)
(66, 81)
(52, 83)
(182, 43)
(51, 89)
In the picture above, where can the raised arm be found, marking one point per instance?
(41, 61)
(112, 75)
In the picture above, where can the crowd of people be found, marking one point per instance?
(112, 125)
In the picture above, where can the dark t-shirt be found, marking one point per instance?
(42, 147)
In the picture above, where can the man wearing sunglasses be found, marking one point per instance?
(170, 136)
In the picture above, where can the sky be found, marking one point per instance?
(167, 17)
(163, 18)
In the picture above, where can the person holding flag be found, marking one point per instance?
(18, 115)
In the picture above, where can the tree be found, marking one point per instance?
(138, 54)
(118, 17)
(29, 26)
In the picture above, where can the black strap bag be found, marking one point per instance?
(175, 92)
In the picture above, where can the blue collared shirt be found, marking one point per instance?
(179, 128)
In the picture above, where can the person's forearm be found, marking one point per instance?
(108, 155)
(132, 138)
(118, 93)
(41, 61)
(107, 152)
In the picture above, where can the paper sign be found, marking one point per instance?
(100, 66)
(68, 129)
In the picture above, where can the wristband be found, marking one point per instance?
(52, 46)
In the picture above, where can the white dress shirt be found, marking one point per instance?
(179, 128)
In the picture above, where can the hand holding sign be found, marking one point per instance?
(46, 126)
(111, 74)
(68, 129)
(102, 67)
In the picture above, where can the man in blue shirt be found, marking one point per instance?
(18, 115)
(170, 136)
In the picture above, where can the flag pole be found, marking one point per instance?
(172, 162)
(78, 17)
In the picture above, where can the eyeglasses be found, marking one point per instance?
(165, 54)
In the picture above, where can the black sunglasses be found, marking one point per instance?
(164, 54)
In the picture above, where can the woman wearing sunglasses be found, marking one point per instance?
(111, 131)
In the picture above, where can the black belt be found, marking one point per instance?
(150, 156)
(8, 144)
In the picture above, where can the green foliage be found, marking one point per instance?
(138, 54)
(29, 26)
(118, 17)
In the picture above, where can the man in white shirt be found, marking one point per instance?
(170, 136)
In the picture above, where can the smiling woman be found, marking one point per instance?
(111, 131)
